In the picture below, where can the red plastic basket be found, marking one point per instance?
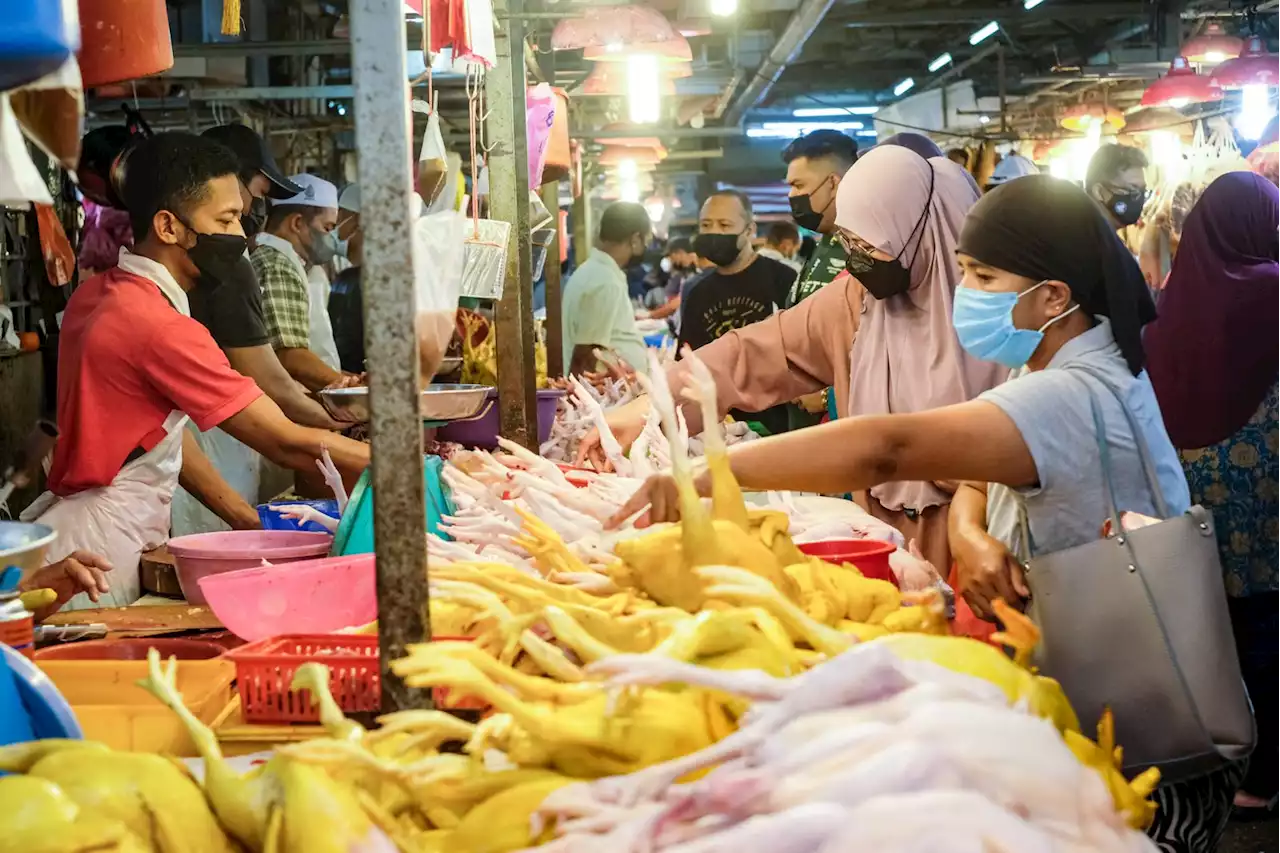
(265, 669)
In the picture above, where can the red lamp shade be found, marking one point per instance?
(1181, 86)
(675, 49)
(1254, 66)
(1213, 44)
(614, 28)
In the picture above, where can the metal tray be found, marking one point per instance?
(437, 403)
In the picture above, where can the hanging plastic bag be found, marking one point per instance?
(437, 269)
(51, 113)
(20, 181)
(433, 164)
(59, 260)
(540, 114)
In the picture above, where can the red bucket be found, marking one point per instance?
(869, 556)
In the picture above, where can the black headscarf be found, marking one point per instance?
(1045, 228)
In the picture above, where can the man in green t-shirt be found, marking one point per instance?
(816, 162)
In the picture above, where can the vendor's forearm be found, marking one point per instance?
(583, 359)
(262, 366)
(202, 480)
(306, 367)
(262, 426)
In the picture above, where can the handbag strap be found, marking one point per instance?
(1104, 457)
(1139, 441)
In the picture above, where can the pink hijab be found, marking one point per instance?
(906, 357)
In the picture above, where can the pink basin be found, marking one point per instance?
(204, 554)
(308, 597)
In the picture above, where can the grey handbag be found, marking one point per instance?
(1138, 622)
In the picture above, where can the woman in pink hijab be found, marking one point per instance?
(881, 335)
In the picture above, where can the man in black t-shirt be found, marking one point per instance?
(740, 288)
(232, 310)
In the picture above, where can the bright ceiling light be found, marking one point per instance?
(866, 133)
(723, 8)
(985, 33)
(644, 98)
(1031, 4)
(656, 210)
(984, 119)
(940, 62)
(1255, 111)
(831, 112)
(904, 87)
(821, 125)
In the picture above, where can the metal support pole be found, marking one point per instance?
(509, 202)
(1004, 90)
(391, 343)
(583, 239)
(551, 275)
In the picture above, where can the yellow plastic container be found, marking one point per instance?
(114, 710)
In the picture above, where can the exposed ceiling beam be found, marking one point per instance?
(1011, 13)
(803, 22)
(325, 47)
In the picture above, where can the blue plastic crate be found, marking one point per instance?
(272, 520)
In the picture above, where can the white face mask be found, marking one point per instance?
(665, 263)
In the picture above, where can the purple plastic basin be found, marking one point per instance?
(203, 554)
(483, 430)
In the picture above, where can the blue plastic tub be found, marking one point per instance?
(273, 520)
(355, 531)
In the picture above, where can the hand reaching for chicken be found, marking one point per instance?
(659, 501)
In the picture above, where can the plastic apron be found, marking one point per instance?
(322, 343)
(118, 521)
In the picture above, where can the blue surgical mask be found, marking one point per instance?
(343, 247)
(984, 324)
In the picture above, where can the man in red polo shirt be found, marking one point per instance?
(133, 367)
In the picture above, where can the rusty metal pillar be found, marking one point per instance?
(391, 344)
(505, 89)
(551, 275)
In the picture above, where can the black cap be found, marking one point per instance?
(254, 156)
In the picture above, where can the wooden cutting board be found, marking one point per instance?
(143, 621)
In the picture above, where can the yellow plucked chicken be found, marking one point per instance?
(38, 817)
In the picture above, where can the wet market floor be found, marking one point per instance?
(1258, 837)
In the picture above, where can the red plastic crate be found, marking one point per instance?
(265, 669)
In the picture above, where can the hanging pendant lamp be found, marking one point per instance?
(1212, 45)
(1181, 86)
(1253, 67)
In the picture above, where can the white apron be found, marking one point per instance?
(238, 464)
(118, 521)
(322, 343)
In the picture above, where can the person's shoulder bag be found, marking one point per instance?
(1137, 622)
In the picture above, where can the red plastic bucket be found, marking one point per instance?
(869, 556)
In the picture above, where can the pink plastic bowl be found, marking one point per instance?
(308, 597)
(204, 554)
(869, 556)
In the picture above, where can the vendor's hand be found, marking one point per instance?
(349, 380)
(625, 422)
(660, 495)
(986, 571)
(81, 572)
(814, 404)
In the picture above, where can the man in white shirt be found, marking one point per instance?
(782, 243)
(300, 233)
(597, 311)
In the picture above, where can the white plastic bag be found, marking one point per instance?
(437, 268)
(433, 160)
(20, 181)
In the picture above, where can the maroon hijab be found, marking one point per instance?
(1212, 353)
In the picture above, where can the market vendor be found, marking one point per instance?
(883, 339)
(134, 366)
(1049, 291)
(300, 234)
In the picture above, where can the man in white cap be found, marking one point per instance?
(300, 233)
(350, 235)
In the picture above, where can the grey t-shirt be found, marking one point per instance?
(1051, 409)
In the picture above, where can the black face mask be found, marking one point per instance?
(256, 219)
(803, 213)
(883, 279)
(1126, 208)
(720, 249)
(215, 256)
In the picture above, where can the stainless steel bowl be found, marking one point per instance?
(24, 545)
(437, 403)
(448, 365)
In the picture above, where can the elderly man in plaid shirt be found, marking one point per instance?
(300, 233)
